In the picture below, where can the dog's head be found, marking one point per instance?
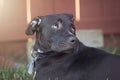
(53, 32)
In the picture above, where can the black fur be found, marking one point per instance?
(70, 61)
(85, 64)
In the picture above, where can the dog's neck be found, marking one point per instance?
(59, 58)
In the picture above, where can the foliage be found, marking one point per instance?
(14, 74)
(112, 50)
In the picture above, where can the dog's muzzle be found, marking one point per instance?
(72, 40)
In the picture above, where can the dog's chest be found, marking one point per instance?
(54, 70)
(52, 74)
(50, 70)
(58, 73)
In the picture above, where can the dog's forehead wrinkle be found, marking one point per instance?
(56, 17)
(49, 20)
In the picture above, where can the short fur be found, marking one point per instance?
(66, 59)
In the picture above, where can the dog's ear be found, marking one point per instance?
(33, 26)
(71, 17)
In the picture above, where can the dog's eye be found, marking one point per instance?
(57, 26)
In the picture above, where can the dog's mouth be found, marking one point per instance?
(63, 46)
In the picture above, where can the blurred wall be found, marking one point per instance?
(101, 14)
(13, 23)
(94, 14)
(13, 20)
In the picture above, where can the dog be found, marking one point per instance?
(61, 56)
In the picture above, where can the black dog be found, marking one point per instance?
(61, 56)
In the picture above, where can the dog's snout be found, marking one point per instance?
(72, 40)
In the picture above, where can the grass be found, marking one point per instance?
(14, 74)
(112, 50)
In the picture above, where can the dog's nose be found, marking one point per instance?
(72, 40)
